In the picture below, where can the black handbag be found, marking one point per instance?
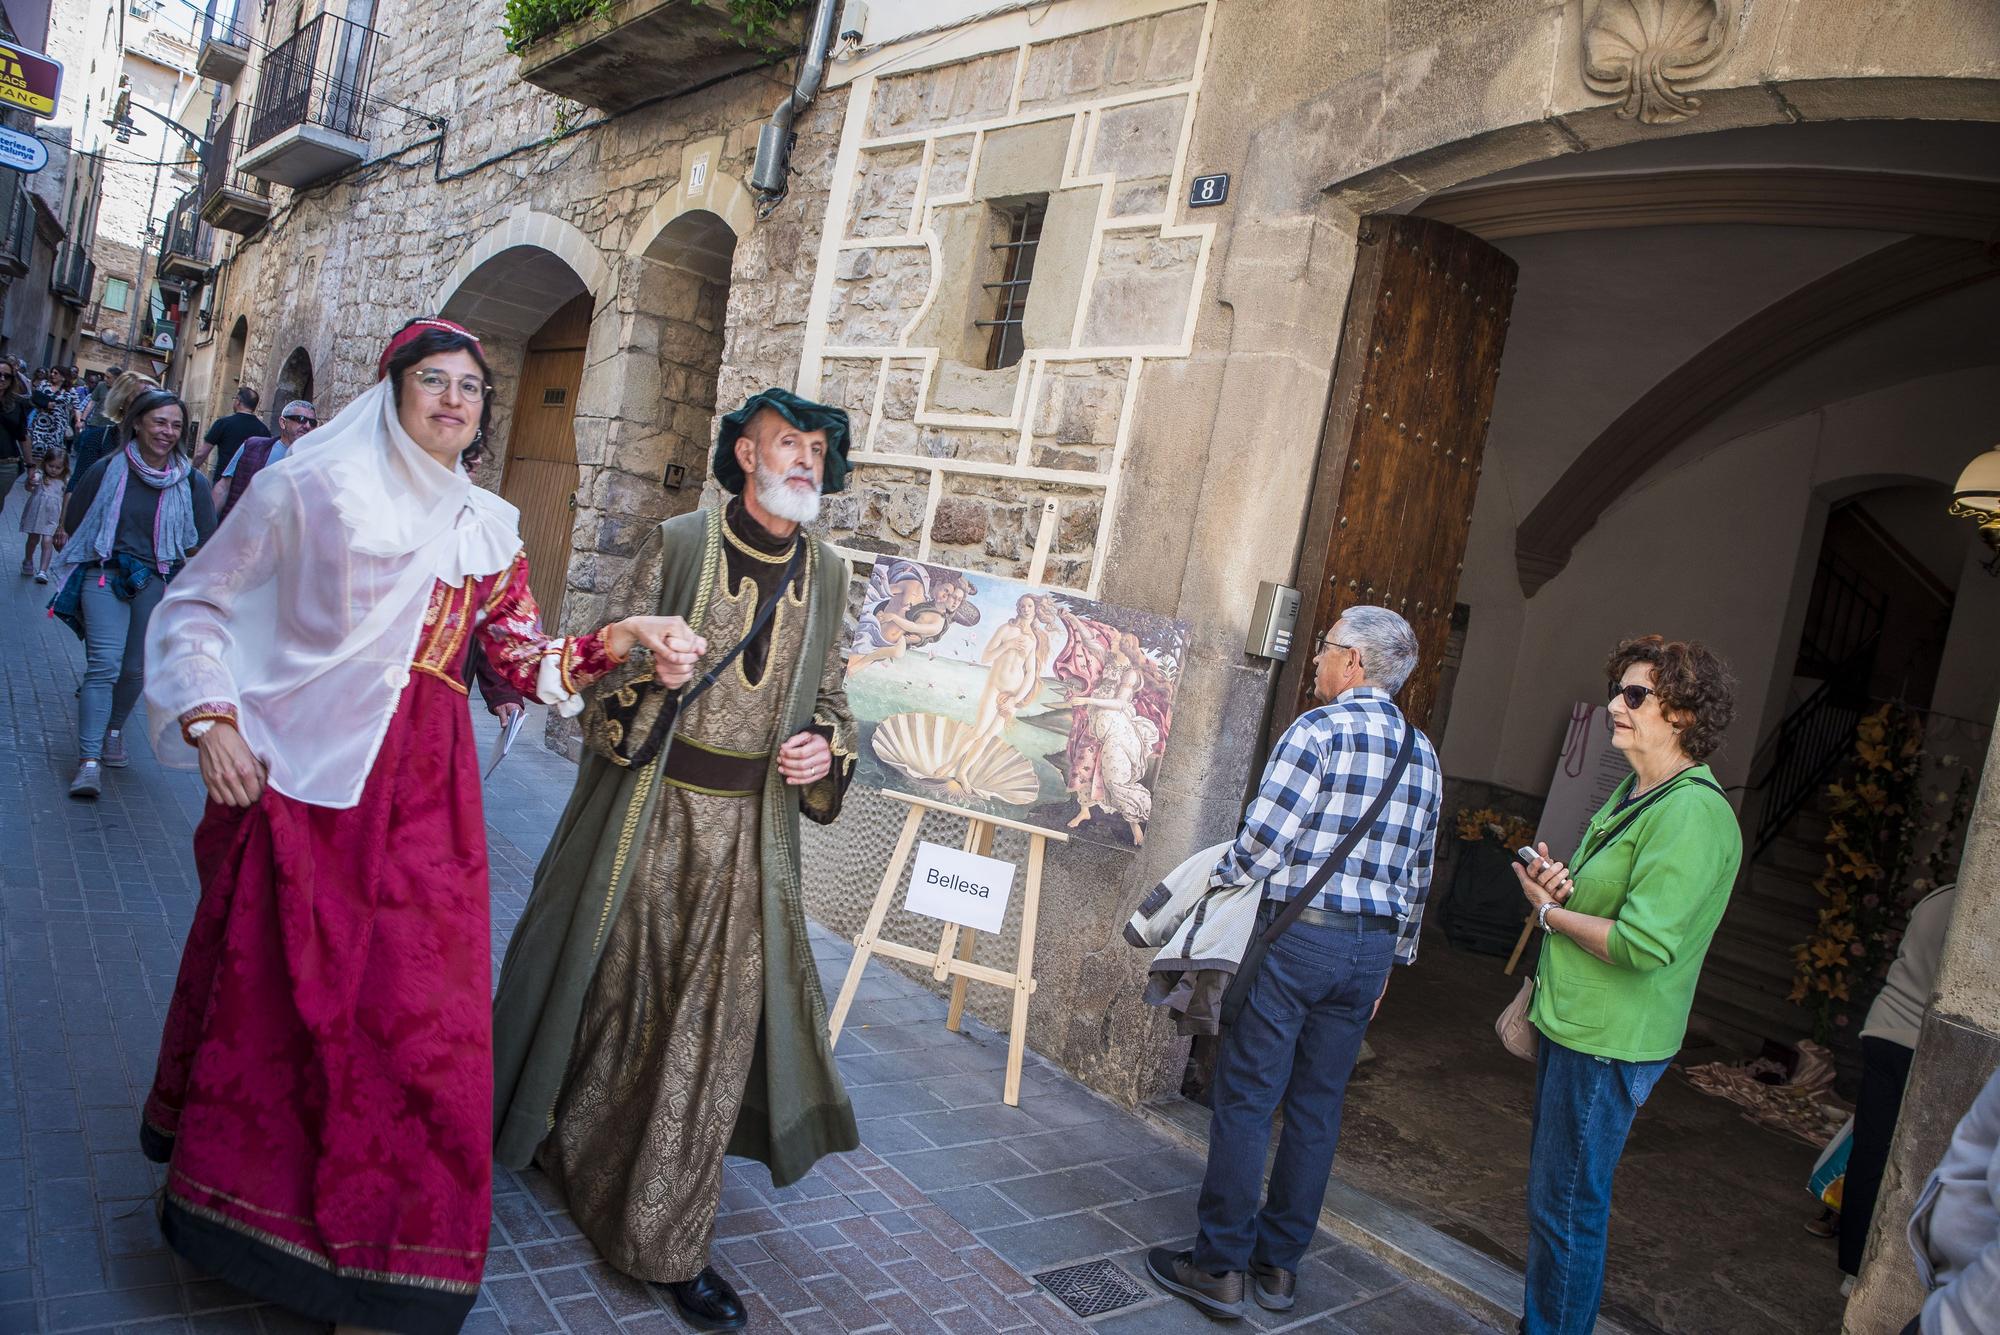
(1199, 1076)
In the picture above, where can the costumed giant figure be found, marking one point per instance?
(659, 1006)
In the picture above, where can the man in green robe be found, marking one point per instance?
(658, 1006)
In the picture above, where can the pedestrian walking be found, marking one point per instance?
(323, 1098)
(226, 434)
(1888, 1044)
(128, 529)
(258, 452)
(42, 515)
(1627, 925)
(1353, 778)
(94, 442)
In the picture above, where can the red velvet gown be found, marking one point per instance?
(324, 1091)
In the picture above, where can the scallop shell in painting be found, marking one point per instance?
(925, 747)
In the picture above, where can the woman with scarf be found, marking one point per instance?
(324, 1092)
(129, 526)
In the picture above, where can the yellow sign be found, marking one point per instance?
(29, 79)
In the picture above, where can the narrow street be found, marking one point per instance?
(939, 1224)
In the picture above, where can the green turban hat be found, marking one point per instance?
(801, 413)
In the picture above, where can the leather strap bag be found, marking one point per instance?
(1516, 1032)
(1200, 1073)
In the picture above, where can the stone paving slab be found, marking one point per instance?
(937, 1225)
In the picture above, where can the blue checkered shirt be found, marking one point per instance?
(1322, 776)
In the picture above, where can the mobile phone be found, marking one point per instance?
(1529, 857)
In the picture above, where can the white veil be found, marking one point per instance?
(304, 609)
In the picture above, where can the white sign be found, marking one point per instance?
(698, 176)
(1588, 771)
(22, 152)
(960, 887)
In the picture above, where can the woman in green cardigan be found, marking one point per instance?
(1627, 924)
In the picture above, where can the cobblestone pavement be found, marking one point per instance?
(938, 1224)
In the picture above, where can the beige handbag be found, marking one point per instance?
(1517, 1033)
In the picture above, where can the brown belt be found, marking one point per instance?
(714, 770)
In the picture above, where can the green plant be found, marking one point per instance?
(754, 22)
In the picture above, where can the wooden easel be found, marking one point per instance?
(953, 957)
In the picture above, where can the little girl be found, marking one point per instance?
(43, 512)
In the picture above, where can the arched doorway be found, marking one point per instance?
(223, 400)
(295, 380)
(686, 287)
(1738, 372)
(532, 312)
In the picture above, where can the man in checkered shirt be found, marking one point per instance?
(1295, 1043)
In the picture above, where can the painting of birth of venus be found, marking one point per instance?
(1006, 699)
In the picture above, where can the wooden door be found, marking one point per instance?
(541, 471)
(1400, 449)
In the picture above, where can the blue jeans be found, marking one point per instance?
(1294, 1043)
(1584, 1107)
(114, 658)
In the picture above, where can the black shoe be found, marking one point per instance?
(1274, 1289)
(706, 1302)
(1218, 1295)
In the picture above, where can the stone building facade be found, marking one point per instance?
(1180, 389)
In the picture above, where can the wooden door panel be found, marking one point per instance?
(1400, 448)
(541, 475)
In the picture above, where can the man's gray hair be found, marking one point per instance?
(1387, 643)
(299, 406)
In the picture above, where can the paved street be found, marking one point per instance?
(939, 1224)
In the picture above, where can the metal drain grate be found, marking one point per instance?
(1092, 1288)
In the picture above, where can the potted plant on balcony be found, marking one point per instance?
(613, 54)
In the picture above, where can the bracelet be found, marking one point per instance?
(1542, 917)
(195, 723)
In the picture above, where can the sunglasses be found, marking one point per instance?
(303, 421)
(1634, 695)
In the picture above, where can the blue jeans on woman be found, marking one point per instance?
(114, 657)
(1584, 1107)
(1295, 1042)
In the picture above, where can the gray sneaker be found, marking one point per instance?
(115, 756)
(89, 781)
(1218, 1295)
(1274, 1289)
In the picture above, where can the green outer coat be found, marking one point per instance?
(795, 1109)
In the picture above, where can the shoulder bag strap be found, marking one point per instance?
(1310, 890)
(694, 690)
(1634, 814)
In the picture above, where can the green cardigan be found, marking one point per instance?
(795, 1109)
(1664, 880)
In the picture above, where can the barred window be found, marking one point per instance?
(1019, 228)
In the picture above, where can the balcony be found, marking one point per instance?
(313, 109)
(230, 199)
(225, 41)
(185, 255)
(644, 49)
(73, 275)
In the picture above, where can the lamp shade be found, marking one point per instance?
(1977, 494)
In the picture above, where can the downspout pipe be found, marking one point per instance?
(774, 143)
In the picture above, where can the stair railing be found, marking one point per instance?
(1809, 743)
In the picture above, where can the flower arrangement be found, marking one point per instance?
(1877, 806)
(756, 22)
(1477, 823)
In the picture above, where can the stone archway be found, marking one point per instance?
(295, 380)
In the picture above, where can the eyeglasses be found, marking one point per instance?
(433, 383)
(307, 421)
(1634, 695)
(1327, 642)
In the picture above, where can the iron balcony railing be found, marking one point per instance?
(188, 237)
(317, 76)
(226, 23)
(218, 164)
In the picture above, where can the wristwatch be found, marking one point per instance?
(1542, 916)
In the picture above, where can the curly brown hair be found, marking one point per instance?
(1694, 687)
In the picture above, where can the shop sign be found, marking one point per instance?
(22, 152)
(29, 80)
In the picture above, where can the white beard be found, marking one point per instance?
(779, 500)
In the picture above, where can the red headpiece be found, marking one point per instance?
(415, 329)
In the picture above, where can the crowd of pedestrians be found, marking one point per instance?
(324, 1098)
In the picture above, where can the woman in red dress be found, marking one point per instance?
(324, 1090)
